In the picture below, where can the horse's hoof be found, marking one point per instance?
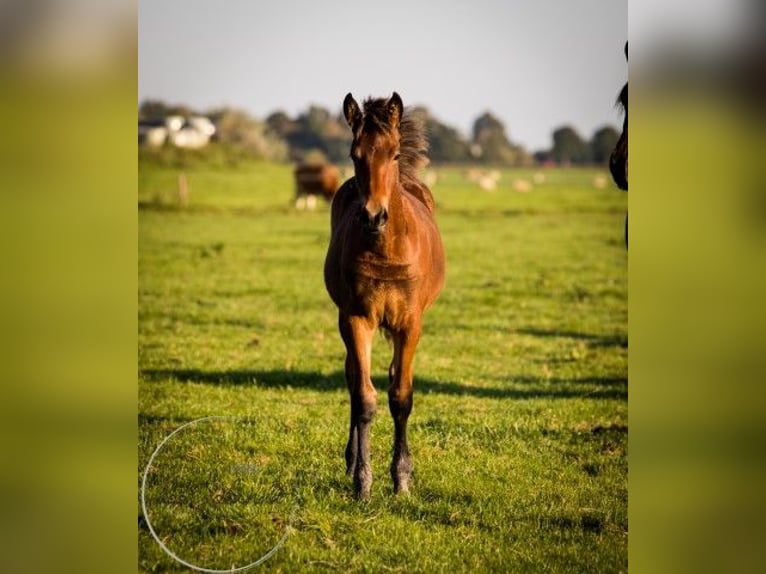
(362, 485)
(362, 495)
(402, 487)
(401, 472)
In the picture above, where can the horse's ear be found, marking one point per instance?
(395, 109)
(351, 110)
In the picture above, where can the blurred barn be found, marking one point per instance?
(190, 133)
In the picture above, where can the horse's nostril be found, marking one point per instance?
(375, 222)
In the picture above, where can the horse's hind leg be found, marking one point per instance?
(357, 336)
(400, 403)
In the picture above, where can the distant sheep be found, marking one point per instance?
(521, 185)
(486, 180)
(430, 178)
(600, 181)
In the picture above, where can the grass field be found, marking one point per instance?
(519, 429)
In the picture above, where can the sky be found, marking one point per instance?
(534, 64)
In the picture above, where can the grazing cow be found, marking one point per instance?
(618, 162)
(312, 180)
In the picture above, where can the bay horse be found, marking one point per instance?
(384, 267)
(618, 162)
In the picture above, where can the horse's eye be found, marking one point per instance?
(396, 156)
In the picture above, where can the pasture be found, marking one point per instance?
(519, 428)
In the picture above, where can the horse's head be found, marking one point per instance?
(618, 162)
(375, 152)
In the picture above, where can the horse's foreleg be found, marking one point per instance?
(400, 404)
(352, 444)
(357, 335)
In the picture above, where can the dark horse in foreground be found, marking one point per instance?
(384, 267)
(618, 162)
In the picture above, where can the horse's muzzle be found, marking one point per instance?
(374, 223)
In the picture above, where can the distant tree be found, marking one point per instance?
(445, 143)
(157, 109)
(569, 147)
(315, 130)
(238, 129)
(522, 158)
(152, 109)
(280, 124)
(602, 143)
(489, 136)
(491, 144)
(316, 120)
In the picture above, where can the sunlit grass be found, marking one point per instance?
(519, 430)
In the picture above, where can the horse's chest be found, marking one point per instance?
(385, 292)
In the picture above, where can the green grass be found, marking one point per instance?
(519, 429)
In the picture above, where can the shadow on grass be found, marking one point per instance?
(521, 387)
(591, 340)
(242, 210)
(485, 212)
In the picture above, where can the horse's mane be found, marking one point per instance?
(413, 144)
(622, 98)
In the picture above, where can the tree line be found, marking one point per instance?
(317, 133)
